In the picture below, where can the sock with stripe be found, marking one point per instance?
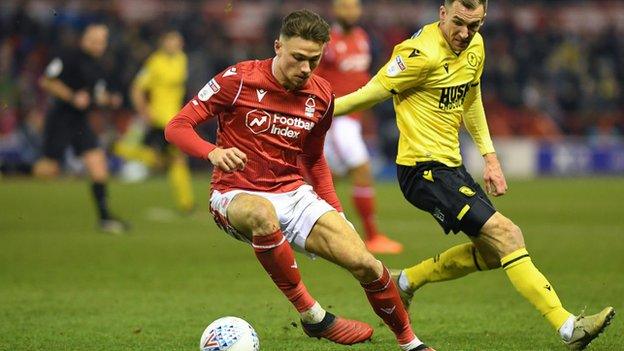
(364, 202)
(384, 297)
(532, 284)
(453, 263)
(278, 259)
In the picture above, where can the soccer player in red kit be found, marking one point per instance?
(273, 115)
(346, 62)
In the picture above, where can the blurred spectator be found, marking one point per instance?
(554, 67)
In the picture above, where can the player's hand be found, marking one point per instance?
(81, 100)
(228, 160)
(495, 183)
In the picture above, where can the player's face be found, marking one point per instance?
(95, 40)
(347, 12)
(172, 43)
(460, 24)
(296, 59)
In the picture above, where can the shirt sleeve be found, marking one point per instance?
(315, 164)
(407, 68)
(216, 97)
(474, 116)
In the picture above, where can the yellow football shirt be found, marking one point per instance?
(434, 90)
(163, 76)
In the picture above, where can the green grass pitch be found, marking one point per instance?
(64, 286)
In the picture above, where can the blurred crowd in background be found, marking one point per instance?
(553, 68)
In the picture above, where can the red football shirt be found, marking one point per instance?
(346, 60)
(277, 129)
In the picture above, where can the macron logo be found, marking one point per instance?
(261, 93)
(258, 122)
(230, 72)
(388, 310)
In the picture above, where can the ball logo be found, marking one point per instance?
(258, 121)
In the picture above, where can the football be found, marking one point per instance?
(229, 333)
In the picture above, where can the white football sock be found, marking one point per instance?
(567, 328)
(412, 344)
(403, 282)
(315, 314)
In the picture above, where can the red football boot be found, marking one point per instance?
(339, 330)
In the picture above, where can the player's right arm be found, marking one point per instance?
(58, 71)
(217, 96)
(407, 68)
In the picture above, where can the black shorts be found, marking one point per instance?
(450, 194)
(63, 129)
(155, 139)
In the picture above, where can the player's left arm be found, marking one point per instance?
(476, 124)
(313, 160)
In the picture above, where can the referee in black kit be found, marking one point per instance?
(76, 80)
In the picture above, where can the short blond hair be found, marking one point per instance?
(469, 4)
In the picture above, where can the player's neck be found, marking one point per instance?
(277, 74)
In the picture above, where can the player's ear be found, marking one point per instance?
(442, 13)
(277, 45)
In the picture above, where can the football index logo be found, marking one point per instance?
(258, 121)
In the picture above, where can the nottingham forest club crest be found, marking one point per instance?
(310, 106)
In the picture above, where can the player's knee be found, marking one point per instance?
(512, 237)
(365, 269)
(257, 212)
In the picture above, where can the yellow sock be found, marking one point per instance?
(137, 153)
(453, 263)
(180, 180)
(534, 287)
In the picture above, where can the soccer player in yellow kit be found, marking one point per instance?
(434, 78)
(157, 94)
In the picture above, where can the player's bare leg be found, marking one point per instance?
(364, 201)
(95, 162)
(255, 217)
(333, 238)
(46, 168)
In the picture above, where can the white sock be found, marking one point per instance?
(412, 344)
(567, 328)
(315, 314)
(403, 282)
